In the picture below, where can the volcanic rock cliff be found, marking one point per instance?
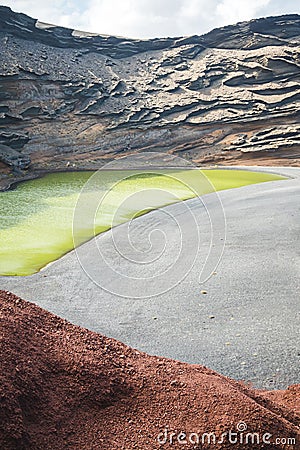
(70, 99)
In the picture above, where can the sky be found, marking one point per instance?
(150, 18)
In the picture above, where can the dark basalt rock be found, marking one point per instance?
(70, 99)
(13, 140)
(270, 140)
(13, 158)
(257, 33)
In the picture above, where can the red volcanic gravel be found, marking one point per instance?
(64, 387)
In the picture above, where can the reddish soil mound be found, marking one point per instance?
(64, 387)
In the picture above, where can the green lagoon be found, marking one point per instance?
(36, 218)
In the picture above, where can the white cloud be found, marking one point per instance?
(57, 12)
(43, 9)
(232, 11)
(149, 18)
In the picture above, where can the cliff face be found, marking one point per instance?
(75, 99)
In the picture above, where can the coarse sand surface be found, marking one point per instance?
(64, 387)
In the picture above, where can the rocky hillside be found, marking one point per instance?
(70, 99)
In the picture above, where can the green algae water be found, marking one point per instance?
(36, 218)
